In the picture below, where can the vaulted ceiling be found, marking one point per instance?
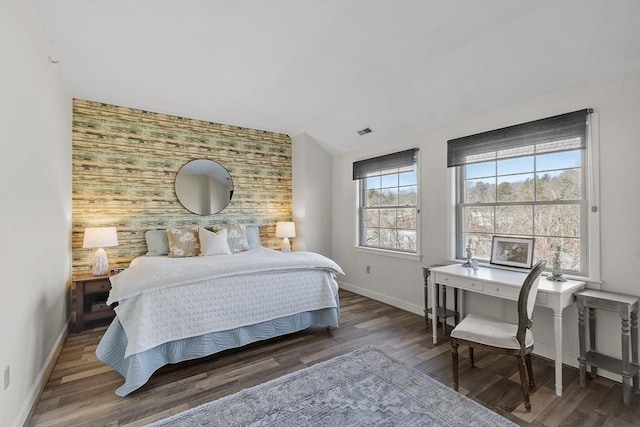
(331, 68)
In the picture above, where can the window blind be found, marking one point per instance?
(558, 133)
(400, 159)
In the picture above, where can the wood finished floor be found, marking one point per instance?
(80, 391)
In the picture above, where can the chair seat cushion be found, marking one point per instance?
(487, 331)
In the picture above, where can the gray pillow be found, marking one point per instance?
(253, 236)
(237, 238)
(157, 242)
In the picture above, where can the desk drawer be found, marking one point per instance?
(459, 282)
(541, 298)
(502, 291)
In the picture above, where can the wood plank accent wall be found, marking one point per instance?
(124, 166)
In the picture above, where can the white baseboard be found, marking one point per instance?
(412, 308)
(42, 377)
(541, 349)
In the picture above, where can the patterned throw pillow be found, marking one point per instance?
(183, 242)
(237, 238)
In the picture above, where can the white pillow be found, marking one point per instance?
(213, 243)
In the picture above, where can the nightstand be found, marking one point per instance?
(91, 296)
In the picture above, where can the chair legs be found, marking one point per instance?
(524, 384)
(532, 383)
(524, 367)
(454, 362)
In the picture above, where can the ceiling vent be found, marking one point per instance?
(364, 131)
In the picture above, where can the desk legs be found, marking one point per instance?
(446, 313)
(626, 377)
(434, 304)
(444, 310)
(557, 333)
(634, 350)
(592, 338)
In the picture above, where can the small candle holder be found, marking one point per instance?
(556, 273)
(469, 262)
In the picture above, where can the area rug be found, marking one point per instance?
(362, 388)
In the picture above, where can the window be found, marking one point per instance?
(388, 201)
(527, 180)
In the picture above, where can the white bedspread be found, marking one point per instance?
(163, 299)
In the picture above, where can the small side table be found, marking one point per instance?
(441, 311)
(627, 308)
(91, 291)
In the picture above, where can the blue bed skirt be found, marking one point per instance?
(138, 368)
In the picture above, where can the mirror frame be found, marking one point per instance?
(203, 186)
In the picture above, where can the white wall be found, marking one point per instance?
(311, 195)
(35, 208)
(399, 281)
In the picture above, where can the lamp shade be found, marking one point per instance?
(285, 229)
(100, 237)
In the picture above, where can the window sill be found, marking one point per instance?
(388, 253)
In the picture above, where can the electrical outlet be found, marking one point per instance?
(368, 269)
(7, 377)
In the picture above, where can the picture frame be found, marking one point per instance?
(512, 251)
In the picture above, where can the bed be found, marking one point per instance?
(171, 310)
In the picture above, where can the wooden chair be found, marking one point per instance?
(501, 337)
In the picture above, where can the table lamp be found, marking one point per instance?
(100, 237)
(285, 230)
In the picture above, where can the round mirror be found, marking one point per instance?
(204, 187)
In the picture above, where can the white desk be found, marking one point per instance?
(506, 284)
